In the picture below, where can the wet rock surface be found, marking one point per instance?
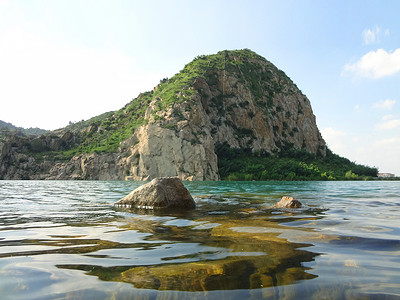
(288, 202)
(164, 192)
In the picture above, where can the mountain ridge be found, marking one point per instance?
(5, 126)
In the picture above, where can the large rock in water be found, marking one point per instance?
(288, 202)
(164, 192)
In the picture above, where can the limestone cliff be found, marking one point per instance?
(233, 98)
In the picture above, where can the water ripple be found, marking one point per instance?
(60, 239)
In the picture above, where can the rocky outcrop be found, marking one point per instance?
(288, 202)
(234, 99)
(165, 192)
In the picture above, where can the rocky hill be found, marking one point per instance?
(231, 100)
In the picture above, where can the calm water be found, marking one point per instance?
(66, 240)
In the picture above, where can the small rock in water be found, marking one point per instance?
(163, 192)
(288, 202)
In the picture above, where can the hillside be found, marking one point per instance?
(7, 127)
(216, 118)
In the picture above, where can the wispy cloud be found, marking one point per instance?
(390, 143)
(389, 124)
(384, 104)
(389, 121)
(375, 64)
(372, 36)
(387, 117)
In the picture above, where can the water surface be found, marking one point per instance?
(65, 239)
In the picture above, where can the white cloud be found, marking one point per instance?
(385, 104)
(376, 64)
(388, 125)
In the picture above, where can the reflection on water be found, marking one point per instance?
(67, 240)
(219, 258)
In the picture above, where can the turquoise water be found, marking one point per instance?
(66, 240)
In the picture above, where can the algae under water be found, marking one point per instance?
(65, 239)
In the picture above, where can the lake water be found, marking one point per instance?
(66, 240)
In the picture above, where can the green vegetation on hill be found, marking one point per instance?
(236, 164)
(6, 128)
(179, 88)
(103, 134)
(82, 125)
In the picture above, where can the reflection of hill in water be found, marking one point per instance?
(210, 252)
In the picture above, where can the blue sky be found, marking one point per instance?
(64, 61)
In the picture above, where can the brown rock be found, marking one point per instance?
(288, 202)
(165, 192)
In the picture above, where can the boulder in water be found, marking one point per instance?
(288, 202)
(163, 192)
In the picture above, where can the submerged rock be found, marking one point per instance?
(288, 202)
(164, 192)
(232, 273)
(264, 259)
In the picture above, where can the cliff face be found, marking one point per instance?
(233, 98)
